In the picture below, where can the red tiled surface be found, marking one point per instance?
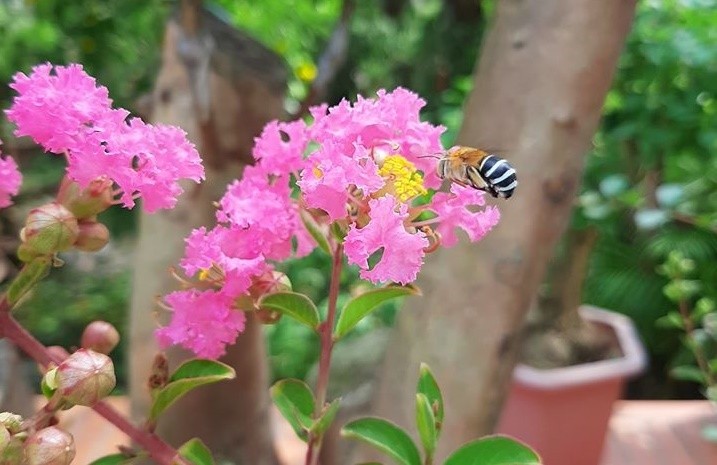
(641, 433)
(660, 433)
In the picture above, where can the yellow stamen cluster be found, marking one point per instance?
(407, 181)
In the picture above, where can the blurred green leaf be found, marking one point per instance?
(294, 305)
(428, 386)
(296, 403)
(671, 320)
(359, 307)
(188, 376)
(384, 436)
(493, 450)
(688, 373)
(614, 185)
(196, 452)
(114, 459)
(426, 424)
(327, 418)
(651, 218)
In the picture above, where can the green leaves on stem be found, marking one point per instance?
(398, 445)
(188, 376)
(297, 405)
(493, 450)
(386, 437)
(294, 305)
(361, 306)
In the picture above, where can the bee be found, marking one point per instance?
(479, 169)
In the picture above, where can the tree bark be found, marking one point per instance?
(543, 73)
(221, 87)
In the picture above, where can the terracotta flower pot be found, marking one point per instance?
(563, 413)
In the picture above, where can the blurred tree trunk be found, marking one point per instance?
(538, 91)
(221, 87)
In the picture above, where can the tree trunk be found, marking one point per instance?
(544, 70)
(221, 87)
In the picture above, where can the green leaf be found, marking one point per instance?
(493, 450)
(191, 374)
(386, 437)
(426, 423)
(428, 386)
(114, 459)
(196, 452)
(671, 320)
(313, 227)
(296, 403)
(688, 373)
(359, 307)
(293, 305)
(326, 419)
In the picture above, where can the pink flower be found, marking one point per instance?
(265, 212)
(202, 321)
(230, 251)
(390, 122)
(331, 172)
(452, 210)
(56, 108)
(402, 251)
(10, 180)
(280, 147)
(66, 112)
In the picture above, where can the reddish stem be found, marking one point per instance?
(159, 450)
(327, 344)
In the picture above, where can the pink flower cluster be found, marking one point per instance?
(66, 112)
(10, 180)
(359, 168)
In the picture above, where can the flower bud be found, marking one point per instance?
(88, 202)
(11, 449)
(11, 421)
(50, 228)
(93, 236)
(85, 377)
(50, 446)
(100, 336)
(271, 282)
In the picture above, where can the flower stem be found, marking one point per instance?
(695, 345)
(159, 450)
(327, 344)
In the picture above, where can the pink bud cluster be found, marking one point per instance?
(357, 170)
(66, 112)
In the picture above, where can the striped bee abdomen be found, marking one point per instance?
(499, 175)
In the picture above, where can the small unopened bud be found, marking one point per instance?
(50, 446)
(100, 336)
(85, 377)
(89, 202)
(11, 421)
(269, 283)
(50, 228)
(93, 236)
(11, 449)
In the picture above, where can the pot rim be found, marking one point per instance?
(632, 362)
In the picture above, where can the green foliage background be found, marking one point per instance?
(650, 185)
